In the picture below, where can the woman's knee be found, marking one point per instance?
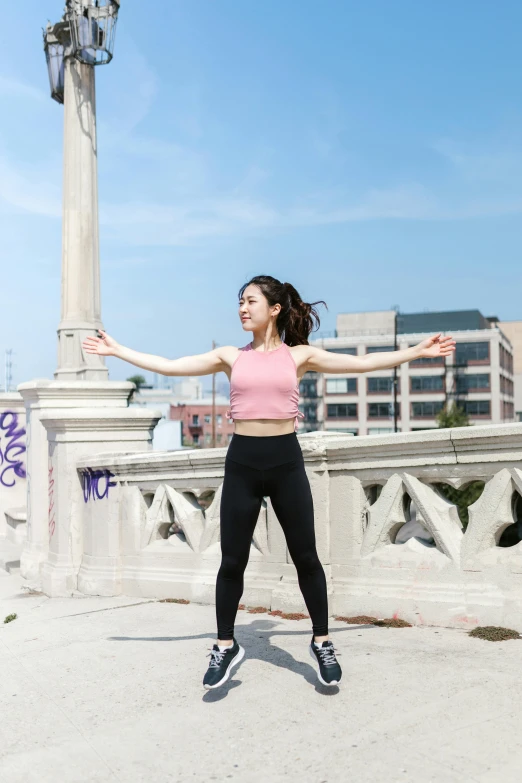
(307, 562)
(232, 567)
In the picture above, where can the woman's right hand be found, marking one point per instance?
(103, 346)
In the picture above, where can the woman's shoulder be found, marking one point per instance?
(229, 353)
(300, 350)
(300, 354)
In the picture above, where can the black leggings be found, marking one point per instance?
(267, 467)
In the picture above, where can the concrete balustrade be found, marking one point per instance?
(150, 527)
(444, 577)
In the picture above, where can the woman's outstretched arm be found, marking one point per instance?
(326, 361)
(202, 364)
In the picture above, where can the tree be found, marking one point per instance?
(455, 416)
(139, 380)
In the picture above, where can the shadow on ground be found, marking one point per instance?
(249, 634)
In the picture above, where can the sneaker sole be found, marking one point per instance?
(234, 662)
(326, 684)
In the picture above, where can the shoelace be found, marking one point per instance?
(216, 658)
(327, 655)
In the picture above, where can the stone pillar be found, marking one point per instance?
(73, 435)
(44, 395)
(81, 310)
(13, 448)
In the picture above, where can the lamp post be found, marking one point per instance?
(83, 38)
(80, 410)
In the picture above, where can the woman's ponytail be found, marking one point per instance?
(297, 319)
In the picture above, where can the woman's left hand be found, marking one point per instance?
(436, 346)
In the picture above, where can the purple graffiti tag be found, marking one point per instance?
(93, 486)
(52, 512)
(12, 450)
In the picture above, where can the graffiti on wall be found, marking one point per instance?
(96, 484)
(12, 447)
(52, 513)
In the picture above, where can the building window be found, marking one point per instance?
(207, 418)
(218, 437)
(381, 385)
(420, 410)
(477, 382)
(425, 361)
(195, 439)
(506, 386)
(381, 410)
(348, 411)
(508, 410)
(380, 430)
(424, 383)
(506, 359)
(308, 387)
(219, 419)
(341, 386)
(309, 409)
(477, 407)
(379, 348)
(472, 352)
(195, 420)
(347, 351)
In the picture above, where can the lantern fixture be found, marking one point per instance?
(55, 40)
(93, 29)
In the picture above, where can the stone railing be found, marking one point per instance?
(391, 544)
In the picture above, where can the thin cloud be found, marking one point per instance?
(197, 209)
(137, 91)
(10, 87)
(33, 192)
(500, 161)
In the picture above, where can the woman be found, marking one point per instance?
(264, 458)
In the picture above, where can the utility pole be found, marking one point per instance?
(213, 403)
(322, 379)
(8, 369)
(395, 378)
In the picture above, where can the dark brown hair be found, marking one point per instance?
(297, 318)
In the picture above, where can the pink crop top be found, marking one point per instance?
(263, 385)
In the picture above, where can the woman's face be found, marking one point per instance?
(254, 310)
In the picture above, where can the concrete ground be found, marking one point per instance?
(109, 689)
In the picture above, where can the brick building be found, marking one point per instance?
(196, 421)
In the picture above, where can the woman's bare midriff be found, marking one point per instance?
(262, 428)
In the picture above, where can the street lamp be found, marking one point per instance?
(93, 28)
(83, 38)
(54, 47)
(86, 32)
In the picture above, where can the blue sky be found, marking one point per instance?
(369, 153)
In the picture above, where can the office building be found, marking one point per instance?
(478, 376)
